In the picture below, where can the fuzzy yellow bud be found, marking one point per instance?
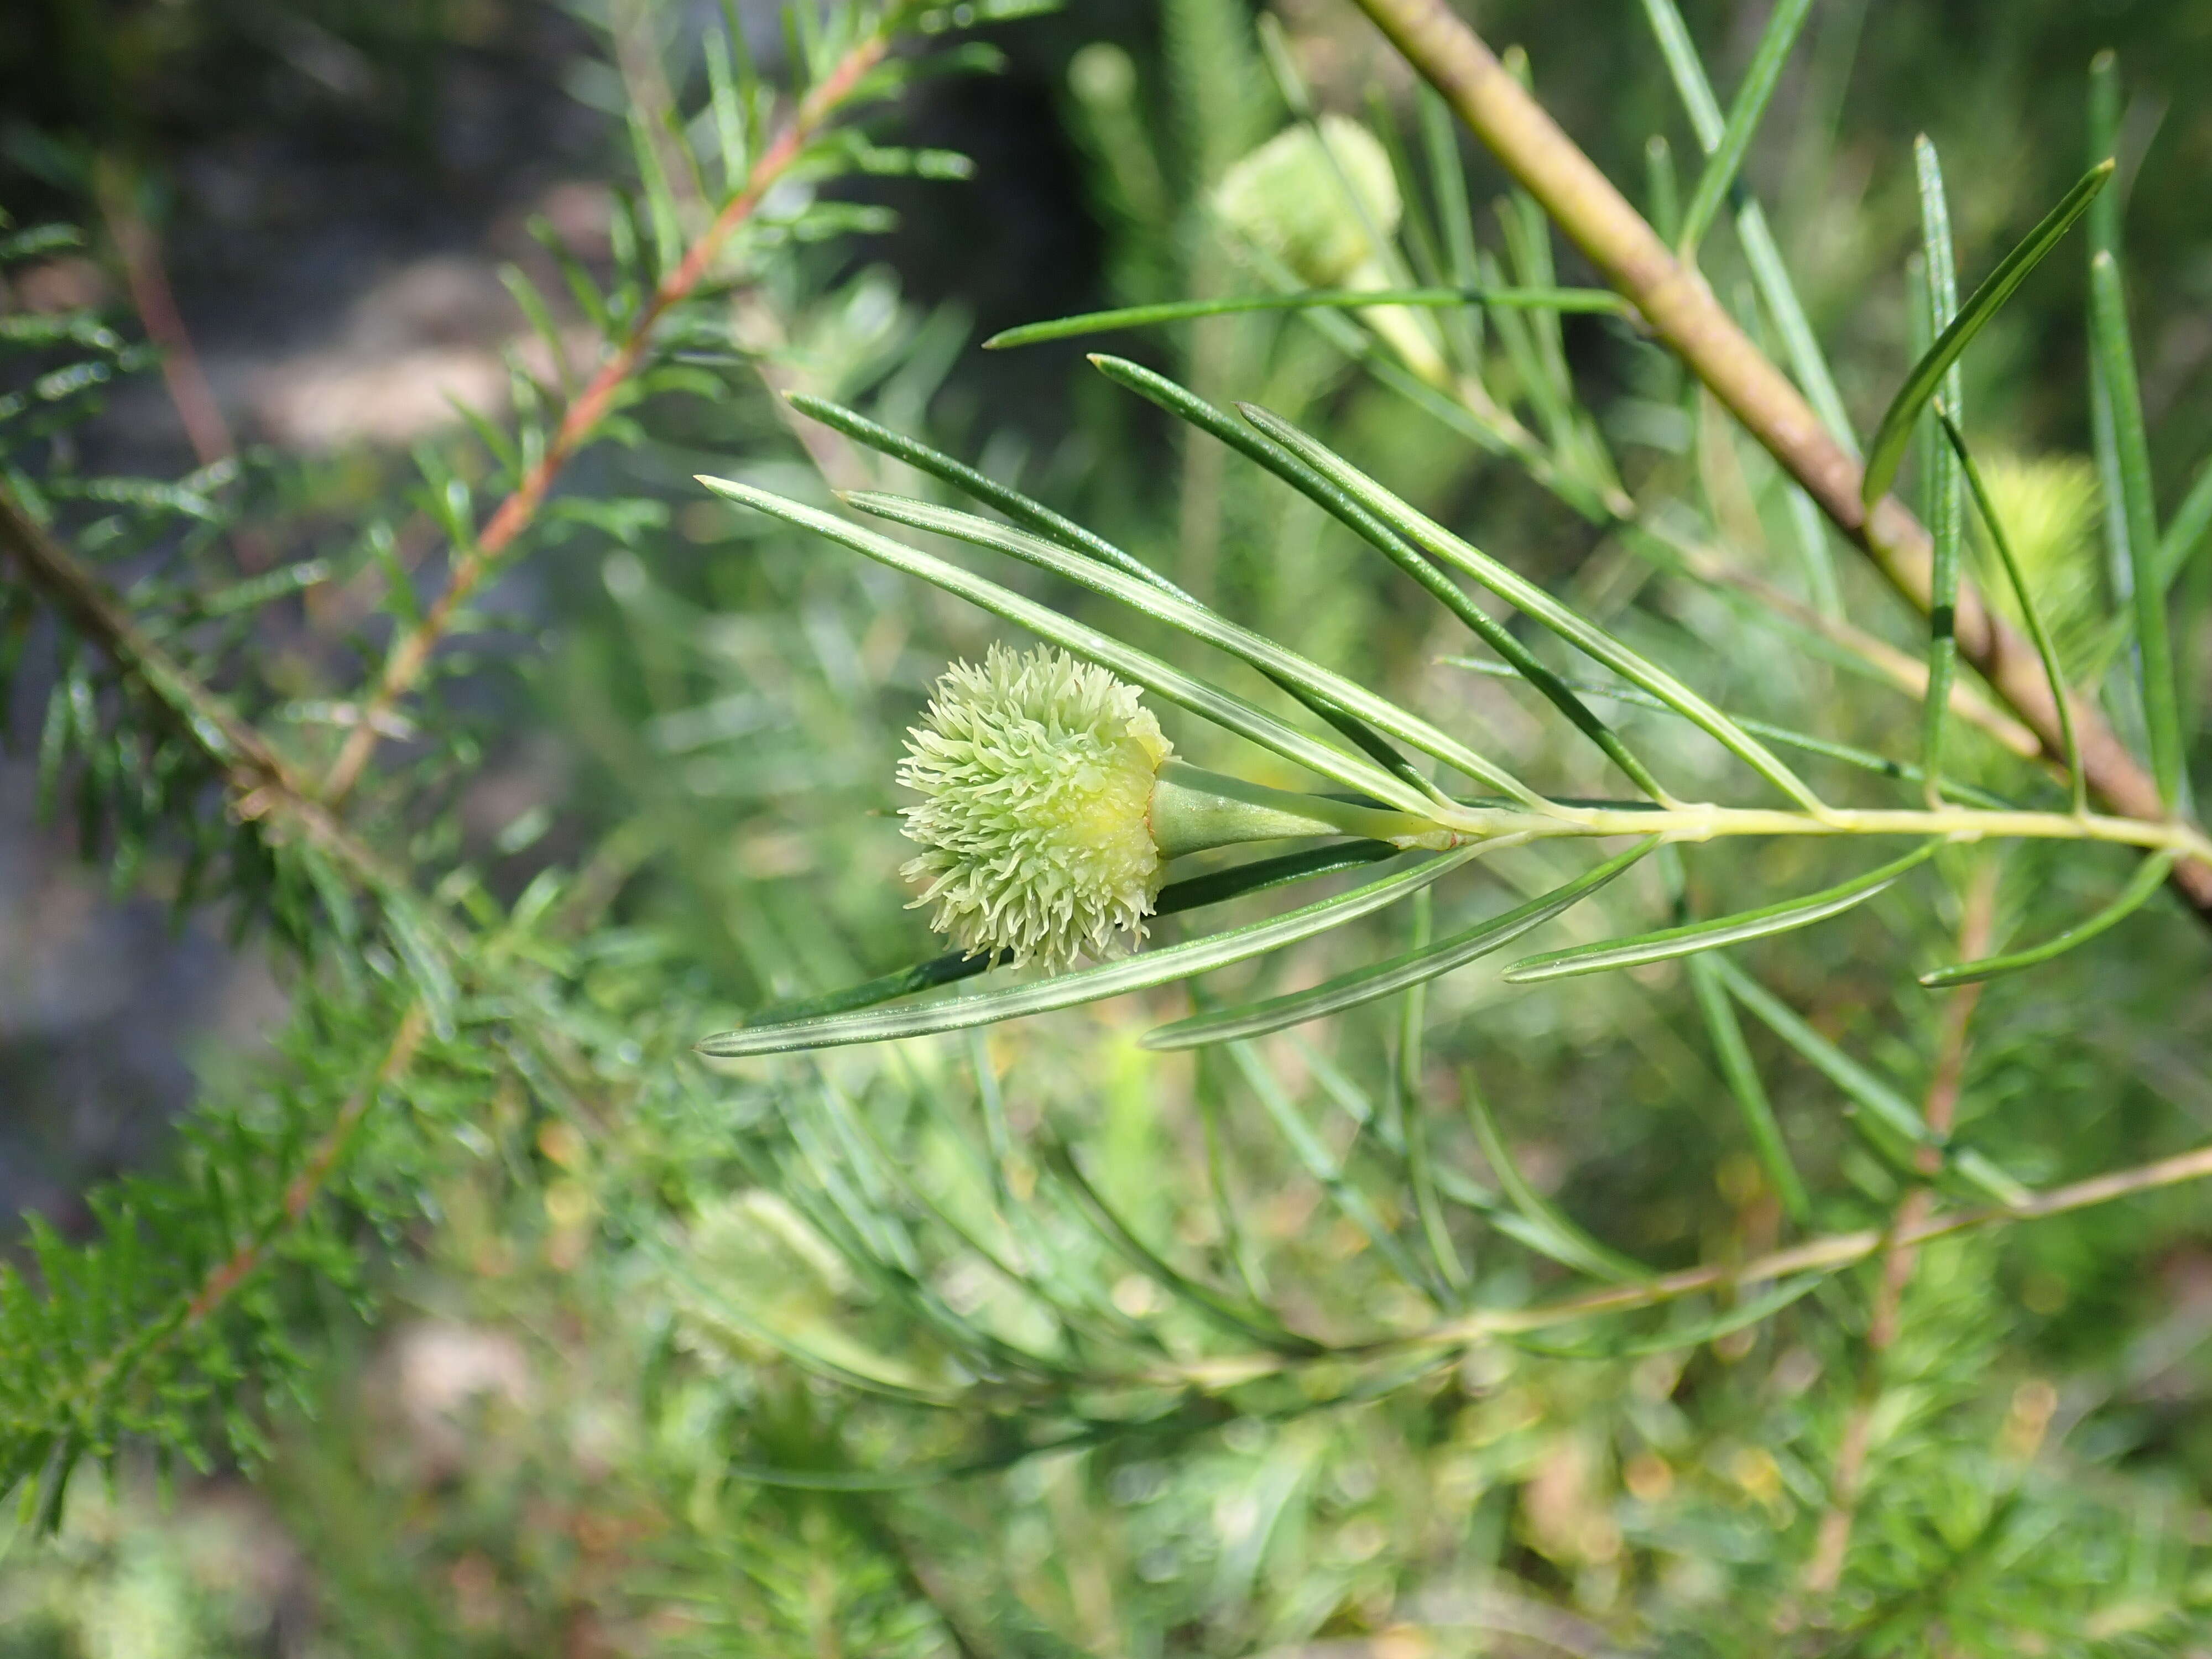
(1036, 774)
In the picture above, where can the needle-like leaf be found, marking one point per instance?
(1738, 929)
(1725, 160)
(2150, 877)
(1190, 617)
(1384, 979)
(1584, 636)
(1887, 453)
(1224, 708)
(1603, 301)
(1551, 1231)
(1189, 406)
(1137, 973)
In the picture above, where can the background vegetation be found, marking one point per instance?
(465, 1311)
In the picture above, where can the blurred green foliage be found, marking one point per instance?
(992, 1345)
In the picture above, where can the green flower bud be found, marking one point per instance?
(1050, 800)
(1036, 775)
(1287, 199)
(1290, 200)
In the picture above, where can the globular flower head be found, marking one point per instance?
(1036, 773)
(1288, 198)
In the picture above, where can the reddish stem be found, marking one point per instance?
(411, 654)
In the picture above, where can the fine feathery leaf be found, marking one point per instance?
(1225, 709)
(1400, 973)
(1738, 929)
(1600, 301)
(2150, 875)
(1886, 453)
(1137, 972)
(1726, 160)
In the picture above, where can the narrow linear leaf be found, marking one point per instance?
(1209, 702)
(2150, 875)
(1021, 508)
(1397, 974)
(1214, 888)
(1942, 504)
(1741, 1073)
(1888, 1110)
(1770, 273)
(2054, 675)
(1886, 453)
(1325, 1171)
(1254, 1323)
(1741, 1318)
(1563, 1240)
(1662, 192)
(1725, 160)
(1195, 620)
(1137, 973)
(1858, 1085)
(1188, 405)
(2116, 366)
(1053, 526)
(1827, 748)
(1601, 300)
(1585, 636)
(2189, 529)
(1422, 1173)
(1738, 929)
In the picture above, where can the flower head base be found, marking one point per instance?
(1036, 773)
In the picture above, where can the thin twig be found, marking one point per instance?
(1818, 1256)
(301, 1191)
(140, 251)
(1831, 1542)
(410, 653)
(261, 784)
(1682, 311)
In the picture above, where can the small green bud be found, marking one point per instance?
(1036, 774)
(1285, 196)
